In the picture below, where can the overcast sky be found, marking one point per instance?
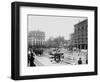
(53, 26)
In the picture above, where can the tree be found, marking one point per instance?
(55, 42)
(59, 41)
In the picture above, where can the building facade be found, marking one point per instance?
(79, 38)
(36, 38)
(72, 40)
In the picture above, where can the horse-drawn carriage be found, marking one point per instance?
(56, 55)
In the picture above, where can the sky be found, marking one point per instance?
(53, 26)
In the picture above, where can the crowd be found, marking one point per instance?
(31, 58)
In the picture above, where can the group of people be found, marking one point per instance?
(80, 61)
(31, 58)
(31, 53)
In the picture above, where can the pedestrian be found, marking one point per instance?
(80, 61)
(86, 61)
(29, 53)
(32, 59)
(86, 58)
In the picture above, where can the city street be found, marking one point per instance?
(69, 59)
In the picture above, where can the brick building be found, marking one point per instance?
(36, 38)
(79, 38)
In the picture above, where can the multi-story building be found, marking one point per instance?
(79, 38)
(72, 39)
(36, 38)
